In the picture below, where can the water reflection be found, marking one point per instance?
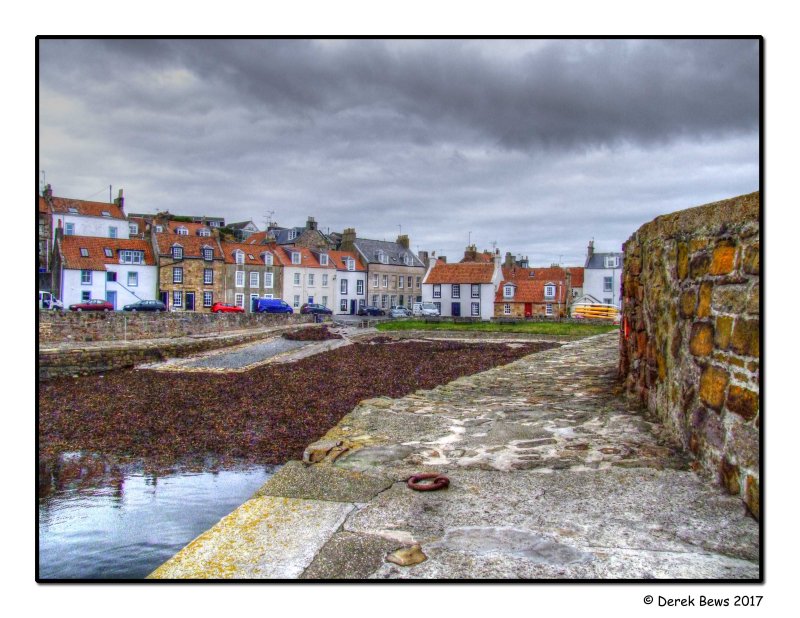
(103, 517)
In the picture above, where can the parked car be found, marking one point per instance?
(146, 305)
(272, 305)
(371, 310)
(315, 308)
(226, 308)
(93, 304)
(48, 301)
(399, 312)
(424, 309)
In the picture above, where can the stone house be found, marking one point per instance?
(545, 291)
(465, 289)
(603, 276)
(308, 236)
(350, 287)
(308, 276)
(44, 245)
(394, 273)
(251, 272)
(119, 270)
(191, 271)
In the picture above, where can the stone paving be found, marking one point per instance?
(552, 476)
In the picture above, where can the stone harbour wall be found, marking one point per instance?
(690, 338)
(73, 327)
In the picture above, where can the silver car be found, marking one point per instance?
(399, 312)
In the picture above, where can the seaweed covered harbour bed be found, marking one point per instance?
(266, 415)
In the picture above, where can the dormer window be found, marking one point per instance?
(177, 252)
(612, 261)
(508, 291)
(208, 254)
(133, 228)
(159, 229)
(406, 259)
(72, 210)
(550, 291)
(203, 231)
(295, 257)
(267, 259)
(182, 231)
(108, 252)
(351, 264)
(292, 234)
(382, 257)
(105, 213)
(239, 255)
(84, 252)
(323, 259)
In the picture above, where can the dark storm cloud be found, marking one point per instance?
(538, 145)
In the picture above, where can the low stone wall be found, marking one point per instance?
(690, 339)
(73, 327)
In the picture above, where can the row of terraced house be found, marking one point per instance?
(90, 250)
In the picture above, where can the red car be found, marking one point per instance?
(95, 304)
(226, 308)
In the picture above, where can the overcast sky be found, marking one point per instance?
(535, 145)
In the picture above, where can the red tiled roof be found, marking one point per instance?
(462, 272)
(192, 245)
(486, 257)
(530, 291)
(190, 226)
(577, 276)
(87, 209)
(550, 273)
(307, 258)
(257, 252)
(97, 259)
(258, 238)
(337, 257)
(42, 206)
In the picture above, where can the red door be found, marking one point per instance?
(528, 310)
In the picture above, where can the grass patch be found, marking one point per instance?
(535, 328)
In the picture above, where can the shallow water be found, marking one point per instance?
(105, 519)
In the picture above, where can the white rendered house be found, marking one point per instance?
(466, 289)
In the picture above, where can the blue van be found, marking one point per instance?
(272, 305)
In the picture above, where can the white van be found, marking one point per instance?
(424, 309)
(48, 301)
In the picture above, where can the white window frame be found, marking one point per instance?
(343, 305)
(239, 279)
(419, 282)
(359, 287)
(385, 281)
(438, 307)
(384, 300)
(374, 300)
(437, 290)
(343, 287)
(292, 234)
(400, 282)
(86, 277)
(133, 279)
(268, 259)
(324, 301)
(208, 276)
(296, 302)
(612, 261)
(254, 278)
(238, 299)
(203, 231)
(376, 282)
(548, 309)
(550, 291)
(507, 309)
(475, 290)
(296, 257)
(296, 279)
(508, 291)
(133, 228)
(69, 229)
(84, 252)
(323, 259)
(310, 279)
(269, 279)
(208, 298)
(324, 280)
(475, 309)
(112, 231)
(129, 256)
(252, 296)
(351, 264)
(159, 229)
(177, 274)
(177, 252)
(181, 231)
(455, 290)
(177, 298)
(239, 257)
(608, 284)
(208, 254)
(108, 252)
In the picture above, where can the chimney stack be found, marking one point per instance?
(509, 260)
(348, 239)
(48, 192)
(471, 253)
(311, 224)
(120, 201)
(403, 241)
(590, 251)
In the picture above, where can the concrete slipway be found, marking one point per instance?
(551, 476)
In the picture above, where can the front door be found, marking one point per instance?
(528, 310)
(112, 298)
(165, 298)
(353, 306)
(456, 310)
(189, 301)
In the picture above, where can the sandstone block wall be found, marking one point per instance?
(690, 340)
(72, 327)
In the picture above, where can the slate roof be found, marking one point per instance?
(62, 205)
(97, 259)
(393, 250)
(241, 224)
(598, 260)
(192, 245)
(253, 254)
(462, 272)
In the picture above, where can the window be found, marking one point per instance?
(112, 232)
(324, 279)
(410, 282)
(84, 252)
(238, 300)
(475, 310)
(177, 253)
(310, 278)
(268, 277)
(612, 261)
(607, 301)
(375, 280)
(456, 291)
(133, 228)
(177, 274)
(437, 291)
(133, 279)
(297, 278)
(384, 299)
(295, 257)
(208, 299)
(343, 305)
(108, 252)
(360, 287)
(386, 281)
(208, 276)
(400, 282)
(292, 234)
(394, 281)
(508, 291)
(126, 256)
(105, 213)
(296, 300)
(69, 229)
(268, 260)
(254, 278)
(323, 259)
(177, 298)
(419, 281)
(343, 287)
(72, 210)
(549, 291)
(182, 231)
(438, 307)
(86, 277)
(476, 290)
(86, 296)
(325, 301)
(506, 309)
(208, 254)
(607, 284)
(239, 256)
(111, 276)
(381, 257)
(406, 259)
(374, 300)
(159, 229)
(203, 231)
(239, 278)
(351, 264)
(548, 309)
(361, 302)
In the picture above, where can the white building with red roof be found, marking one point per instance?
(86, 218)
(466, 289)
(350, 287)
(308, 276)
